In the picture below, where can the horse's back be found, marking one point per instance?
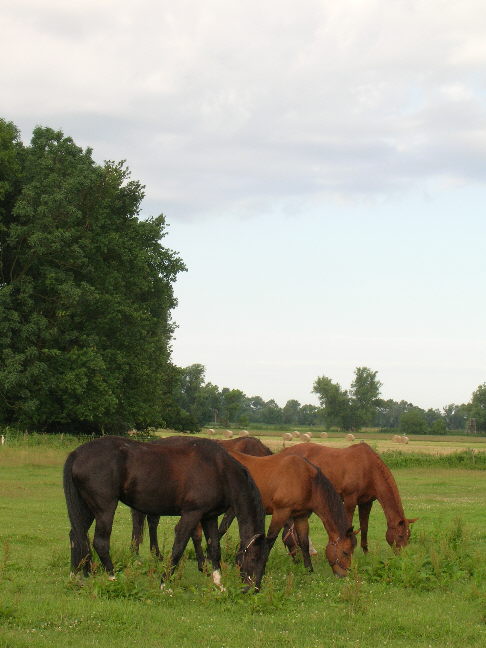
(247, 445)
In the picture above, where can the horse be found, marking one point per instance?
(193, 478)
(360, 477)
(248, 445)
(292, 487)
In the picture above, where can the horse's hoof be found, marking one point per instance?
(112, 577)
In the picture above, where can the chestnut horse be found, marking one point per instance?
(248, 445)
(360, 477)
(292, 487)
(193, 478)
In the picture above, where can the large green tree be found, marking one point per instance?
(85, 291)
(477, 407)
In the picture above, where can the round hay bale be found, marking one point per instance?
(405, 439)
(296, 434)
(350, 437)
(211, 431)
(324, 435)
(287, 436)
(227, 434)
(244, 433)
(306, 437)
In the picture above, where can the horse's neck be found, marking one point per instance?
(387, 493)
(328, 506)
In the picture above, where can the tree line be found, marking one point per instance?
(86, 296)
(199, 403)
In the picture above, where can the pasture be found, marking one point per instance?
(432, 594)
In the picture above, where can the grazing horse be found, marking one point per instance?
(193, 478)
(360, 477)
(292, 487)
(248, 445)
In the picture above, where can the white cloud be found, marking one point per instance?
(221, 105)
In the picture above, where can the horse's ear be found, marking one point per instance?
(412, 520)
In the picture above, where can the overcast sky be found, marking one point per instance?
(322, 166)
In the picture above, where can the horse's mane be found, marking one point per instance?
(336, 506)
(385, 472)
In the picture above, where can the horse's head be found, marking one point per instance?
(251, 560)
(339, 552)
(397, 536)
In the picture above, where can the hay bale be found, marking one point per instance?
(227, 434)
(296, 434)
(306, 437)
(211, 431)
(324, 435)
(350, 437)
(287, 436)
(405, 439)
(244, 433)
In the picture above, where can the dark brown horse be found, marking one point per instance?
(248, 445)
(360, 477)
(193, 478)
(292, 487)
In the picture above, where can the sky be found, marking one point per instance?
(321, 165)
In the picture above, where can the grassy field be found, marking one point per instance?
(432, 594)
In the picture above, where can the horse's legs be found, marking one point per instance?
(153, 523)
(289, 538)
(101, 540)
(138, 520)
(197, 542)
(277, 522)
(301, 526)
(81, 553)
(228, 518)
(183, 532)
(364, 511)
(210, 527)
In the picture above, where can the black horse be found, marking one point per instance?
(193, 478)
(248, 445)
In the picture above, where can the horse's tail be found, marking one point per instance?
(80, 517)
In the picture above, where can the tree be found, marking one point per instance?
(290, 412)
(413, 422)
(85, 291)
(364, 395)
(477, 407)
(455, 416)
(349, 409)
(334, 402)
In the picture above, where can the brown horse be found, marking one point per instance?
(360, 477)
(292, 487)
(193, 478)
(248, 445)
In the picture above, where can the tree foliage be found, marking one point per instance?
(85, 291)
(352, 409)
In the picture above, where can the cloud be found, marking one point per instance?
(227, 106)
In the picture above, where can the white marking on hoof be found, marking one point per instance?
(164, 588)
(112, 577)
(312, 549)
(217, 580)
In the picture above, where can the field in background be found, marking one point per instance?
(432, 594)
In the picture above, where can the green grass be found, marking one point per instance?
(432, 594)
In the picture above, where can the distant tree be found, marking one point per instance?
(290, 412)
(438, 426)
(334, 402)
(309, 415)
(349, 409)
(272, 413)
(455, 416)
(477, 407)
(413, 422)
(432, 415)
(364, 396)
(85, 291)
(388, 413)
(232, 405)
